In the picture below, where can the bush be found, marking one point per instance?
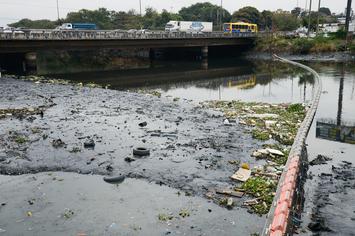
(303, 45)
(340, 34)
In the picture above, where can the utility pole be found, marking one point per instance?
(347, 21)
(340, 98)
(140, 7)
(221, 15)
(318, 15)
(309, 18)
(58, 10)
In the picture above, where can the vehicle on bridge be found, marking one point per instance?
(188, 26)
(77, 26)
(240, 27)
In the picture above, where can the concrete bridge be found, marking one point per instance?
(23, 46)
(42, 40)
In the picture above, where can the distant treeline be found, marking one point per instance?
(152, 19)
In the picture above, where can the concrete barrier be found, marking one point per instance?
(280, 217)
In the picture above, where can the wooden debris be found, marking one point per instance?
(230, 192)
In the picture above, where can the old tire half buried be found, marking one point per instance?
(141, 151)
(114, 179)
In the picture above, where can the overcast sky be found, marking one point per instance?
(13, 10)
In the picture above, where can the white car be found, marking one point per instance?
(8, 30)
(132, 31)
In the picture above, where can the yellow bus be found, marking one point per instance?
(240, 27)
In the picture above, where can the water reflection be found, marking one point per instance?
(212, 80)
(337, 129)
(333, 132)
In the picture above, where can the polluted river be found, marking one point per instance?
(157, 151)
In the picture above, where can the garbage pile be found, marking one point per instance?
(276, 125)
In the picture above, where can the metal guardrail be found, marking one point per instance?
(109, 35)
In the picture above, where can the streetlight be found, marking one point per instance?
(309, 18)
(58, 10)
(221, 15)
(140, 7)
(318, 14)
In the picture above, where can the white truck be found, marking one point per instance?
(188, 26)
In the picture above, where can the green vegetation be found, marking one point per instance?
(205, 12)
(35, 24)
(184, 213)
(263, 189)
(165, 217)
(284, 21)
(21, 139)
(320, 44)
(261, 134)
(152, 19)
(279, 122)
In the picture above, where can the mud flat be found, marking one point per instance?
(49, 129)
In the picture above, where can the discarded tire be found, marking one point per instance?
(115, 179)
(141, 151)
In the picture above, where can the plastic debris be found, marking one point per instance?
(230, 202)
(241, 175)
(226, 122)
(245, 166)
(275, 152)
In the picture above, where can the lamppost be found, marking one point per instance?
(140, 7)
(318, 14)
(309, 18)
(221, 16)
(58, 10)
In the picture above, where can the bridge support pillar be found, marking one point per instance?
(30, 62)
(204, 64)
(204, 52)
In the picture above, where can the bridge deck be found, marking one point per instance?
(80, 40)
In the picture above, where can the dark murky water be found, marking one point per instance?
(329, 203)
(330, 188)
(232, 79)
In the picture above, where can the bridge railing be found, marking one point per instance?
(115, 34)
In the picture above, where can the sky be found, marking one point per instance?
(14, 10)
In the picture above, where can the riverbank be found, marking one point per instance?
(313, 49)
(312, 57)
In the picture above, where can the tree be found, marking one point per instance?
(325, 10)
(248, 14)
(296, 11)
(101, 17)
(266, 20)
(322, 20)
(167, 16)
(283, 21)
(152, 19)
(126, 20)
(34, 24)
(205, 12)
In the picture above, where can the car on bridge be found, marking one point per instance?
(188, 26)
(77, 26)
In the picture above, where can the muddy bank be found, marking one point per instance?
(190, 148)
(94, 131)
(313, 57)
